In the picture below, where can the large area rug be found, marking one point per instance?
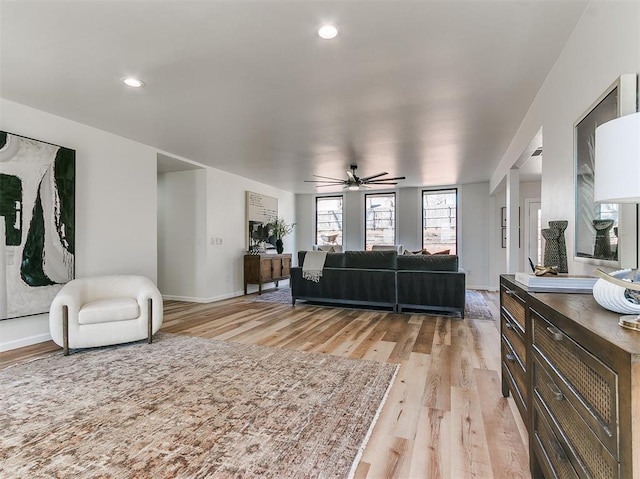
(186, 407)
(475, 306)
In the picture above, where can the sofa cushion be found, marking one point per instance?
(440, 262)
(371, 259)
(108, 310)
(330, 248)
(333, 260)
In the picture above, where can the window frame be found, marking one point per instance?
(341, 197)
(395, 214)
(422, 210)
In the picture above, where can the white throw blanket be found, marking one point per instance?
(313, 264)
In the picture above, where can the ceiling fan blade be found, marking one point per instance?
(337, 182)
(351, 176)
(388, 179)
(367, 178)
(328, 184)
(328, 178)
(376, 183)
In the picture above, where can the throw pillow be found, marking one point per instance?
(446, 251)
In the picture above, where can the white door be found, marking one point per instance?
(533, 224)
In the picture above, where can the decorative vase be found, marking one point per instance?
(551, 247)
(560, 226)
(279, 246)
(602, 248)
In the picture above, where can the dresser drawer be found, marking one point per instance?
(551, 455)
(587, 451)
(513, 306)
(586, 383)
(512, 335)
(517, 375)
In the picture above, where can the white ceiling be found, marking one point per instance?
(433, 90)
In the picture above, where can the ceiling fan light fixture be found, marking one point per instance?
(353, 187)
(327, 31)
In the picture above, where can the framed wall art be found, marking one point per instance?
(605, 234)
(261, 210)
(37, 223)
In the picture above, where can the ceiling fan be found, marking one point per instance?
(354, 182)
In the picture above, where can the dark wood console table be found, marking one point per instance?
(575, 376)
(266, 268)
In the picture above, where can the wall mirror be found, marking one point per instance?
(605, 234)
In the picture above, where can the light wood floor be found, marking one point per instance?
(445, 416)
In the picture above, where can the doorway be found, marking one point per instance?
(533, 231)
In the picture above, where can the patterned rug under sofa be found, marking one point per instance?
(187, 407)
(475, 305)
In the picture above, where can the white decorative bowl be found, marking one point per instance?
(611, 296)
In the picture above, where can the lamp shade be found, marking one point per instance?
(617, 161)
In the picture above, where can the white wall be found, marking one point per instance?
(475, 242)
(226, 219)
(182, 234)
(115, 204)
(604, 45)
(476, 228)
(409, 228)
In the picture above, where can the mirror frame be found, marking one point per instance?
(627, 248)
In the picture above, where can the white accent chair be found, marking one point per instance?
(105, 310)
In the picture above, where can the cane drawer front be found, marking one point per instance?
(266, 269)
(286, 266)
(587, 384)
(511, 333)
(516, 372)
(586, 451)
(550, 452)
(276, 268)
(513, 305)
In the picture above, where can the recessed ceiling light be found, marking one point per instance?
(328, 31)
(133, 82)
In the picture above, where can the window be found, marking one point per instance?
(440, 220)
(380, 219)
(329, 220)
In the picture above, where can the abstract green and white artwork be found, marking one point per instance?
(37, 223)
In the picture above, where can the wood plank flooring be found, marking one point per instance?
(445, 416)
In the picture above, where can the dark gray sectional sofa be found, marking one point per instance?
(386, 279)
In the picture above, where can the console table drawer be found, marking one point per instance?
(587, 451)
(550, 452)
(514, 338)
(517, 374)
(587, 383)
(513, 305)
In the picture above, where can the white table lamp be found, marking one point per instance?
(617, 180)
(617, 165)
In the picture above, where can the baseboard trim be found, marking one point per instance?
(192, 299)
(484, 288)
(22, 342)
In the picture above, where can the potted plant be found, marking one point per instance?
(280, 230)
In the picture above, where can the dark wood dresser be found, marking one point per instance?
(266, 268)
(575, 377)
